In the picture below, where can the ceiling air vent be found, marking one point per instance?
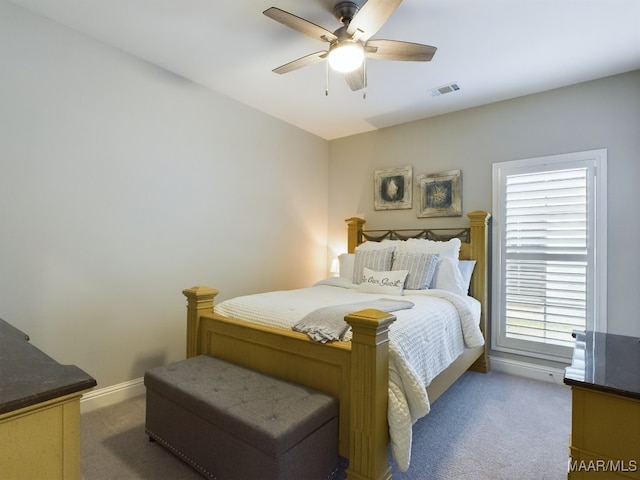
(452, 87)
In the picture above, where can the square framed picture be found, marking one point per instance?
(440, 194)
(393, 188)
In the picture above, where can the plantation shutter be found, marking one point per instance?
(546, 255)
(547, 276)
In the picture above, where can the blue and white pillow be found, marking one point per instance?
(421, 267)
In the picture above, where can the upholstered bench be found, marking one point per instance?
(232, 423)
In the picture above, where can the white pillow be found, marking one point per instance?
(346, 261)
(378, 260)
(449, 249)
(390, 283)
(448, 277)
(421, 267)
(466, 269)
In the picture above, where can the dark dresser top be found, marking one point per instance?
(605, 362)
(28, 376)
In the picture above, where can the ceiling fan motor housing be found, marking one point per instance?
(345, 53)
(345, 11)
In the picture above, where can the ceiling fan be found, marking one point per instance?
(351, 43)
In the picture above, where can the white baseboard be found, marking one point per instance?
(104, 397)
(529, 370)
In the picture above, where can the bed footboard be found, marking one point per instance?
(356, 372)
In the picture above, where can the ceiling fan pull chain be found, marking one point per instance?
(326, 85)
(364, 79)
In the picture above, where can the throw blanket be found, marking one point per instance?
(327, 323)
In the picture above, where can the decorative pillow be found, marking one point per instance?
(391, 283)
(421, 267)
(466, 269)
(346, 261)
(378, 260)
(449, 249)
(448, 277)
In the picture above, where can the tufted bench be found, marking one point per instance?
(232, 423)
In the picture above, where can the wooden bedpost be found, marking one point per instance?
(479, 228)
(369, 392)
(199, 301)
(354, 233)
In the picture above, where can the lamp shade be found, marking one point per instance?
(335, 267)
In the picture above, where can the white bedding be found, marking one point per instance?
(423, 340)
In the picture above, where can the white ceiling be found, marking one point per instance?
(494, 49)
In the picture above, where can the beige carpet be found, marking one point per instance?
(492, 427)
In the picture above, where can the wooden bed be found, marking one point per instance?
(355, 372)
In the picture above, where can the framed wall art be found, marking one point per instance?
(440, 194)
(393, 188)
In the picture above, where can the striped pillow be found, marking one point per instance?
(378, 260)
(421, 267)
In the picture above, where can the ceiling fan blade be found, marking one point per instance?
(371, 17)
(300, 24)
(301, 62)
(356, 79)
(397, 50)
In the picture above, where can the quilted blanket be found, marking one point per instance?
(417, 355)
(423, 341)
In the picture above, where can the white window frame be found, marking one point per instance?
(596, 246)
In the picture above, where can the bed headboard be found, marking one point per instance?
(475, 246)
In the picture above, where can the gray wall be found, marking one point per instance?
(599, 114)
(121, 185)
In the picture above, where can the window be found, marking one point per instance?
(549, 252)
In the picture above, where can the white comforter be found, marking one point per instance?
(423, 340)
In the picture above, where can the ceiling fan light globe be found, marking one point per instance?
(346, 56)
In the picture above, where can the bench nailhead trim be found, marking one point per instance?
(187, 459)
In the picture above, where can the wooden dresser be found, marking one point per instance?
(39, 411)
(605, 423)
